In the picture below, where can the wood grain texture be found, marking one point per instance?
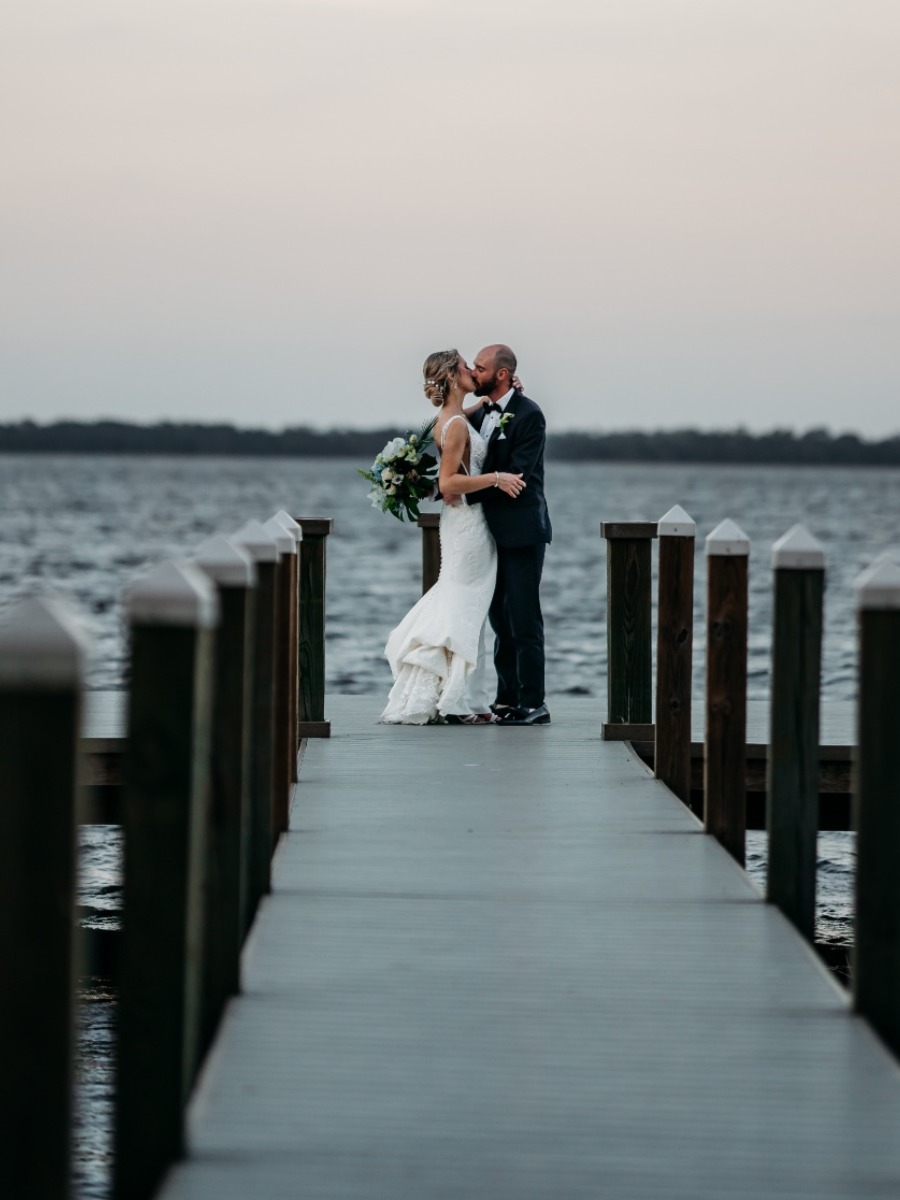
(674, 649)
(262, 739)
(430, 524)
(876, 961)
(229, 812)
(629, 530)
(312, 629)
(165, 828)
(726, 702)
(294, 660)
(628, 631)
(283, 735)
(793, 777)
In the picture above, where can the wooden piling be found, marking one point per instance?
(792, 788)
(876, 958)
(674, 644)
(724, 785)
(171, 613)
(41, 671)
(312, 626)
(430, 524)
(284, 673)
(253, 538)
(232, 570)
(297, 534)
(628, 628)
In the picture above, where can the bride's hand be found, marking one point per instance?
(517, 384)
(511, 484)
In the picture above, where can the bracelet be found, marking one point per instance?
(497, 479)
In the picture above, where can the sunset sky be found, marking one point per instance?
(267, 212)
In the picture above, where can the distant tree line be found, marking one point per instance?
(679, 445)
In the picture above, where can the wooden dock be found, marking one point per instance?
(509, 963)
(104, 734)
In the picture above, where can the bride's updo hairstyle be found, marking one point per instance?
(439, 372)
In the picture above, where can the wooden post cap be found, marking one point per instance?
(286, 542)
(798, 550)
(259, 544)
(627, 530)
(878, 588)
(727, 539)
(429, 520)
(174, 593)
(284, 518)
(316, 526)
(676, 523)
(226, 563)
(42, 646)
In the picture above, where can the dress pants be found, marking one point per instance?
(516, 620)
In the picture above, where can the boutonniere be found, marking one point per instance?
(504, 421)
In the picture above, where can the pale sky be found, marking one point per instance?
(267, 212)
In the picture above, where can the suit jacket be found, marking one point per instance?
(524, 521)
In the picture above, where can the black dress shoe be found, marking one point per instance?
(527, 716)
(500, 710)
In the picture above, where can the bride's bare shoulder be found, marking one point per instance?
(453, 428)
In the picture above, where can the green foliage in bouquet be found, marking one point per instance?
(403, 474)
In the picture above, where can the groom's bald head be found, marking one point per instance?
(502, 358)
(494, 369)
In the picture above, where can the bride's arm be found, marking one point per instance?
(452, 480)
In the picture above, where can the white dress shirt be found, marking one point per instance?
(492, 419)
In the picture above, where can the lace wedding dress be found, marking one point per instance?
(440, 654)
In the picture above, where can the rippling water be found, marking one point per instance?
(87, 525)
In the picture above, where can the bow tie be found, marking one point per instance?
(492, 407)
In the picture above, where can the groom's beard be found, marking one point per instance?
(485, 388)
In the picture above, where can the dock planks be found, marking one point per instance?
(508, 963)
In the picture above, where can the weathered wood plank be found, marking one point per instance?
(430, 524)
(792, 780)
(724, 795)
(674, 646)
(312, 626)
(628, 631)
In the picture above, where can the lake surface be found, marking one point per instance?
(86, 526)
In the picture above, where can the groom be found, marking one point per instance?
(515, 429)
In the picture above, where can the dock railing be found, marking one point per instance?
(211, 749)
(227, 681)
(794, 768)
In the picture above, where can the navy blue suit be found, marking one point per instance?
(521, 529)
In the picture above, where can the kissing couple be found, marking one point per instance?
(494, 530)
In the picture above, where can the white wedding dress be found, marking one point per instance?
(440, 654)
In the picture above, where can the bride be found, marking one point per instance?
(439, 652)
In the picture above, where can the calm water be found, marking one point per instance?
(86, 526)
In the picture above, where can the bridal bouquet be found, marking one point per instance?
(403, 474)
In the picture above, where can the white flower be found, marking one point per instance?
(375, 498)
(392, 491)
(387, 475)
(412, 439)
